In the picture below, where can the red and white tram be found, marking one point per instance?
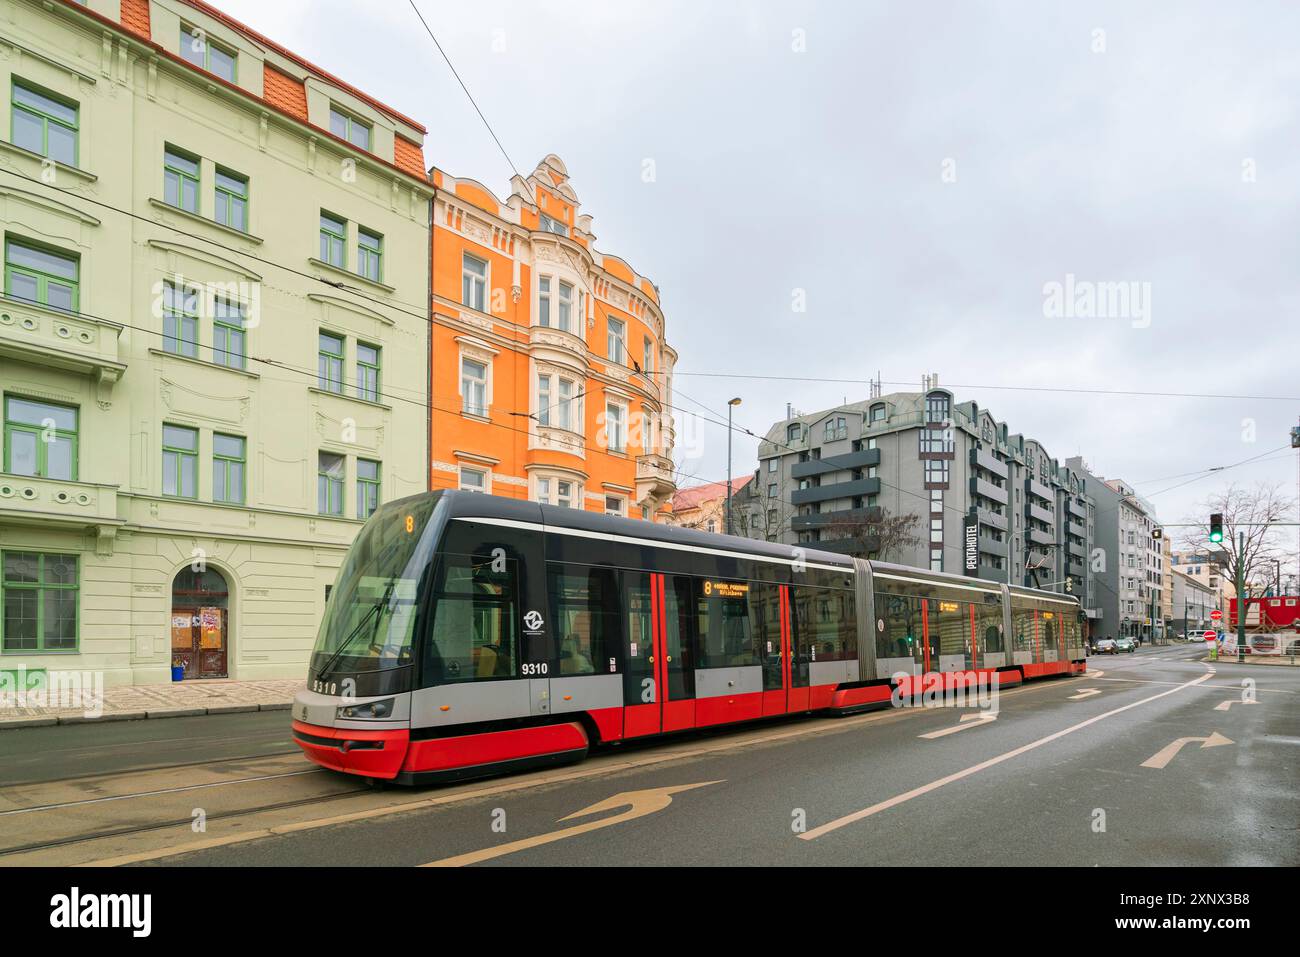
(468, 635)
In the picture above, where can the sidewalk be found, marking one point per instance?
(174, 700)
(1231, 659)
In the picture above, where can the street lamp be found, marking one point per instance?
(726, 521)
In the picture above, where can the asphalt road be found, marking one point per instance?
(1057, 778)
(86, 748)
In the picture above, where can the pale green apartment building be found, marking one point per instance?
(213, 338)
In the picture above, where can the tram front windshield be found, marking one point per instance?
(369, 623)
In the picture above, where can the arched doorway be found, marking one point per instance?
(200, 614)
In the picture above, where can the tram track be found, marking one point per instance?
(178, 823)
(40, 816)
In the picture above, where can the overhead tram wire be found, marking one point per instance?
(1009, 388)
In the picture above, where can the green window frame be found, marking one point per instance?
(44, 122)
(329, 363)
(368, 372)
(229, 468)
(330, 472)
(333, 240)
(180, 309)
(229, 338)
(40, 595)
(348, 127)
(180, 464)
(182, 176)
(216, 58)
(42, 275)
(32, 431)
(370, 255)
(368, 485)
(231, 199)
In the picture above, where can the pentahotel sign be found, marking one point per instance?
(972, 551)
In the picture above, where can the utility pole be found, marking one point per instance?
(1241, 598)
(726, 521)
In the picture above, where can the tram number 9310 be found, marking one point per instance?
(535, 669)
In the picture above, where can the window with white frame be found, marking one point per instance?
(616, 347)
(557, 402)
(566, 306)
(473, 282)
(553, 225)
(615, 505)
(544, 301)
(648, 356)
(558, 491)
(473, 480)
(473, 386)
(615, 427)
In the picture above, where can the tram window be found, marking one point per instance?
(679, 630)
(1047, 625)
(585, 608)
(988, 625)
(1022, 627)
(825, 620)
(726, 637)
(951, 621)
(765, 619)
(902, 633)
(638, 675)
(474, 633)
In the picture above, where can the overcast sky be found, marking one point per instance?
(921, 171)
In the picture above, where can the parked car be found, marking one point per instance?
(1105, 646)
(1125, 644)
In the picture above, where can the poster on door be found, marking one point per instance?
(182, 636)
(210, 627)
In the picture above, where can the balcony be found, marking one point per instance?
(991, 519)
(1038, 489)
(1077, 530)
(654, 479)
(1040, 537)
(1075, 548)
(1076, 509)
(866, 545)
(991, 546)
(846, 516)
(824, 493)
(26, 500)
(987, 489)
(554, 345)
(68, 341)
(984, 459)
(1074, 569)
(866, 458)
(1040, 514)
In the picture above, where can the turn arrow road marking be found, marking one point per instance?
(1225, 705)
(1085, 693)
(1166, 754)
(638, 804)
(967, 721)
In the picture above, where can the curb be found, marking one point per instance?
(156, 713)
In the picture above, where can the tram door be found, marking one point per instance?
(659, 672)
(768, 614)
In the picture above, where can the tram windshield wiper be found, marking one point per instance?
(377, 610)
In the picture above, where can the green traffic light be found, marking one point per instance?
(1216, 536)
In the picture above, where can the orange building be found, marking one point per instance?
(550, 377)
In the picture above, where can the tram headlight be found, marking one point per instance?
(371, 709)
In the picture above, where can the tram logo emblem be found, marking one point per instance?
(533, 620)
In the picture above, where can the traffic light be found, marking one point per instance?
(1157, 533)
(1216, 527)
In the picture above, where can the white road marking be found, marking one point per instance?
(1085, 693)
(983, 765)
(1225, 705)
(1166, 754)
(967, 721)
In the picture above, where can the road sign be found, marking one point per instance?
(1216, 615)
(1210, 635)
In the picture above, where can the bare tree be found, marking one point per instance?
(1255, 513)
(882, 537)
